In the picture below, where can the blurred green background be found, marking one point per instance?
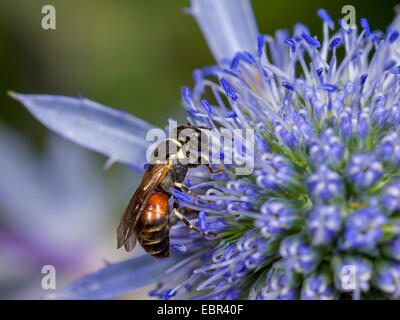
(130, 54)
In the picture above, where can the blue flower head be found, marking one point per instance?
(277, 218)
(327, 148)
(392, 250)
(325, 184)
(318, 287)
(309, 185)
(324, 224)
(391, 197)
(298, 255)
(364, 169)
(278, 285)
(352, 274)
(390, 148)
(363, 229)
(388, 279)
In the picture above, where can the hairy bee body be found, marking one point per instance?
(152, 228)
(146, 219)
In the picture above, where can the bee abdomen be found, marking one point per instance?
(158, 247)
(155, 243)
(152, 229)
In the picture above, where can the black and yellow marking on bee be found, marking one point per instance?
(146, 218)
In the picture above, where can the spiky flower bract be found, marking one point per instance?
(323, 199)
(318, 215)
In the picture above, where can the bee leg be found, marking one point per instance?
(186, 189)
(207, 164)
(191, 225)
(212, 171)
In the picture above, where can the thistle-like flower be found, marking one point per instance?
(317, 215)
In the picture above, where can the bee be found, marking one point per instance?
(146, 219)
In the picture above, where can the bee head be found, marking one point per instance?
(191, 137)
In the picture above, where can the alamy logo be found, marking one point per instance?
(349, 277)
(49, 280)
(49, 20)
(350, 17)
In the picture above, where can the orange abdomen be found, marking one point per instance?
(152, 228)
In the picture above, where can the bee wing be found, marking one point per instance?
(151, 179)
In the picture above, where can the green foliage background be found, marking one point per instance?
(130, 54)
